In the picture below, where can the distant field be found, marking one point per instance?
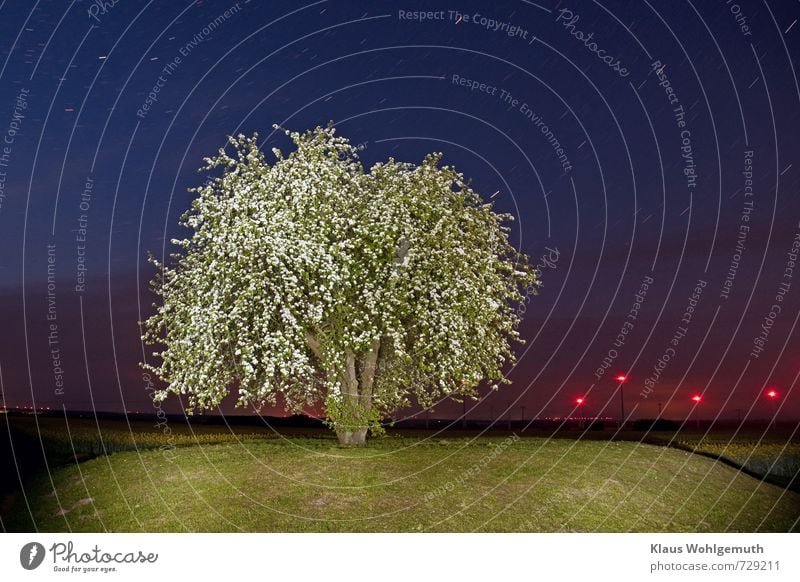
(83, 437)
(259, 481)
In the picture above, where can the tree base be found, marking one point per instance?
(356, 438)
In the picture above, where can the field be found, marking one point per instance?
(252, 479)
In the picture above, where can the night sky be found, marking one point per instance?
(648, 150)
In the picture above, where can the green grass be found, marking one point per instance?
(402, 484)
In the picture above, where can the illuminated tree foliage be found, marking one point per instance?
(316, 281)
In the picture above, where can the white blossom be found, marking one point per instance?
(296, 271)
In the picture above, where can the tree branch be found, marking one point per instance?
(401, 252)
(314, 345)
(368, 369)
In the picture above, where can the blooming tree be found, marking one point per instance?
(310, 281)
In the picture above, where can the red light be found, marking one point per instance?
(697, 398)
(622, 378)
(579, 401)
(772, 394)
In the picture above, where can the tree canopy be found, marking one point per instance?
(311, 281)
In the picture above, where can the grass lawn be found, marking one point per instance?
(404, 484)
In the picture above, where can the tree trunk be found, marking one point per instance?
(355, 438)
(369, 365)
(357, 384)
(358, 378)
(356, 381)
(347, 429)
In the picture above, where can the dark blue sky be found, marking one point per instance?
(592, 157)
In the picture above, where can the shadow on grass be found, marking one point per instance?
(791, 483)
